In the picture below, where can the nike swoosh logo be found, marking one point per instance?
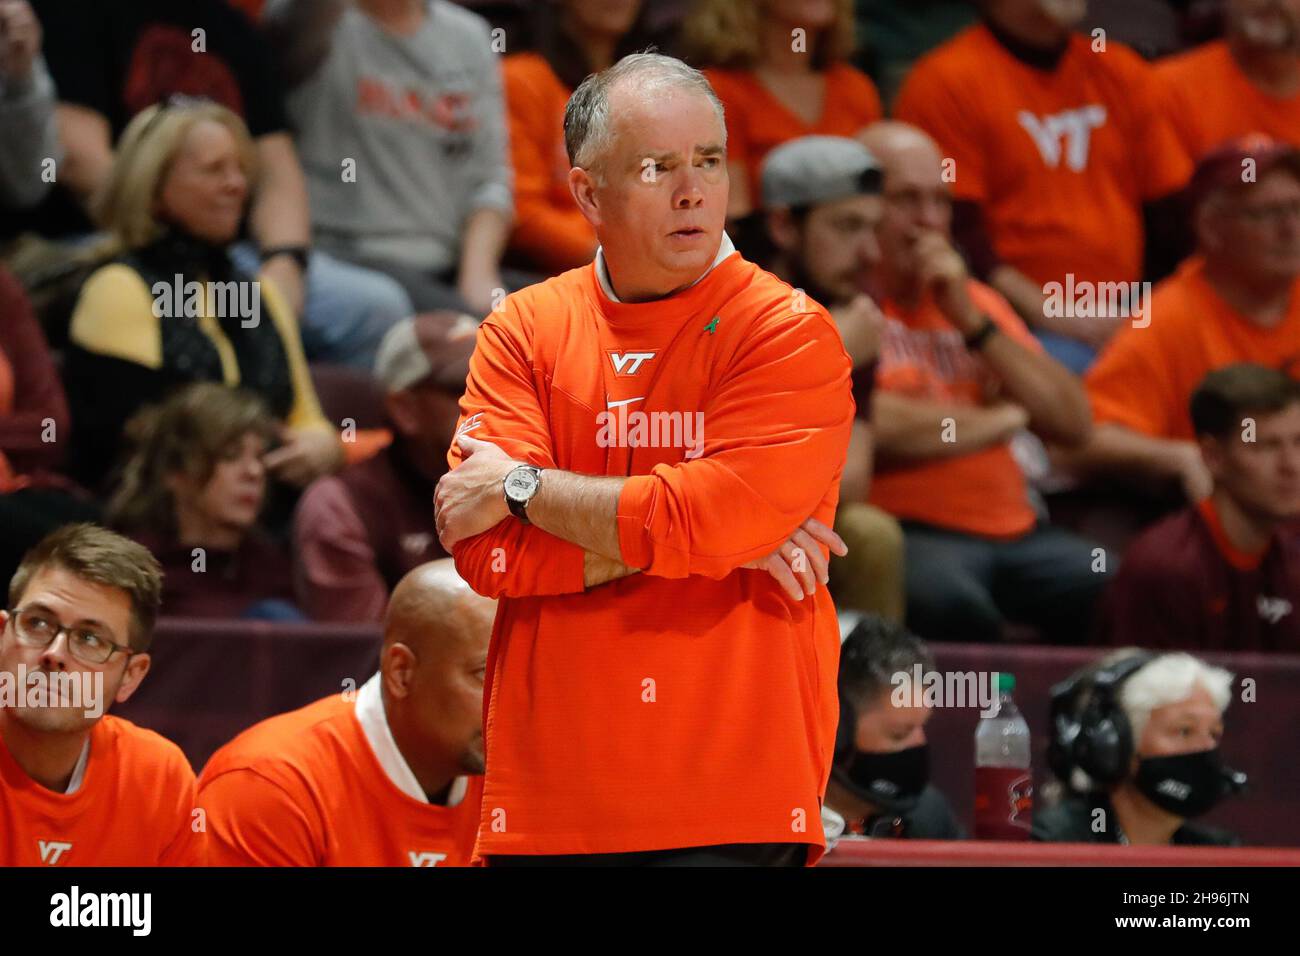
(626, 401)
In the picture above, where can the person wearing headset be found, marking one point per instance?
(1136, 740)
(879, 784)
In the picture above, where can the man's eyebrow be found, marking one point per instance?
(80, 622)
(710, 149)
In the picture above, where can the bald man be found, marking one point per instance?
(959, 374)
(388, 775)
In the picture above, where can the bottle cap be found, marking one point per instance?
(1006, 682)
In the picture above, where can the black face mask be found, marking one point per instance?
(1184, 784)
(892, 781)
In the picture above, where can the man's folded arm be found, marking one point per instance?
(501, 405)
(773, 443)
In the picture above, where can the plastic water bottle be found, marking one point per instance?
(1004, 785)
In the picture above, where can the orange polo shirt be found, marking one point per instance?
(135, 806)
(549, 228)
(1209, 101)
(692, 703)
(922, 356)
(1145, 377)
(306, 788)
(757, 122)
(1060, 160)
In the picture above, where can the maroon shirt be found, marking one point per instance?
(1183, 585)
(228, 584)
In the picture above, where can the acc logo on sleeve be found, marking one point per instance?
(471, 423)
(628, 363)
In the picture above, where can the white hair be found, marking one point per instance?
(587, 126)
(1168, 679)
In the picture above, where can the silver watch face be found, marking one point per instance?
(521, 484)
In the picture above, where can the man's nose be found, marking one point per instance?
(56, 655)
(688, 192)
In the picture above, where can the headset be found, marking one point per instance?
(1096, 738)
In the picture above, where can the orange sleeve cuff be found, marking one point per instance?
(634, 503)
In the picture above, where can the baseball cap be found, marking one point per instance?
(818, 169)
(432, 345)
(1224, 165)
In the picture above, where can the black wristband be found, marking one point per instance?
(975, 340)
(299, 254)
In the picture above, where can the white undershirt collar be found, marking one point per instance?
(79, 771)
(725, 248)
(374, 724)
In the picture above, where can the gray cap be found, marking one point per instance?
(431, 345)
(817, 169)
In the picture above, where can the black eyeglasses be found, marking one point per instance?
(37, 627)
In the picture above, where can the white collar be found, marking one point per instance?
(79, 771)
(374, 724)
(725, 248)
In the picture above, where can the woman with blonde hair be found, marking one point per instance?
(780, 68)
(192, 492)
(173, 308)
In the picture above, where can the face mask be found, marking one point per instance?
(892, 781)
(1184, 784)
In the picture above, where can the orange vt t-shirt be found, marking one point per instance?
(1145, 377)
(134, 807)
(1209, 100)
(757, 122)
(1060, 161)
(306, 789)
(923, 356)
(692, 703)
(549, 228)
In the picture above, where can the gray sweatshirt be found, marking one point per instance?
(30, 137)
(423, 120)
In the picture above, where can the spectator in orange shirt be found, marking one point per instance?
(388, 775)
(1062, 165)
(1247, 82)
(1236, 300)
(79, 787)
(647, 463)
(822, 206)
(780, 69)
(577, 38)
(959, 376)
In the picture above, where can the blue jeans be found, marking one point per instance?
(347, 308)
(1074, 354)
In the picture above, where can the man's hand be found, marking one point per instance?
(798, 565)
(470, 498)
(860, 322)
(20, 40)
(943, 271)
(305, 455)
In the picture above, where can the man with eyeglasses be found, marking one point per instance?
(1237, 299)
(79, 787)
(960, 375)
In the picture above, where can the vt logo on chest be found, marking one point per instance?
(1065, 136)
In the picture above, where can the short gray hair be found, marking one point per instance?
(586, 117)
(1168, 679)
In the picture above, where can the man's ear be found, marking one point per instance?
(136, 668)
(781, 229)
(397, 670)
(1214, 455)
(1206, 227)
(583, 188)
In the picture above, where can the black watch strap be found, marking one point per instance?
(975, 340)
(300, 254)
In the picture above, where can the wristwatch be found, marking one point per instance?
(521, 485)
(299, 254)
